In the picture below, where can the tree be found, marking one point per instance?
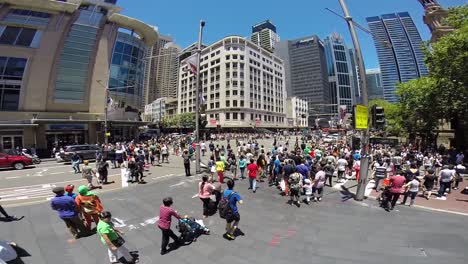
(187, 120)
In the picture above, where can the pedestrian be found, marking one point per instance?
(295, 185)
(204, 193)
(380, 174)
(103, 170)
(357, 167)
(233, 166)
(445, 179)
(459, 174)
(233, 219)
(75, 159)
(217, 192)
(342, 164)
(164, 153)
(89, 205)
(112, 238)
(429, 180)
(165, 218)
(203, 148)
(66, 208)
(329, 170)
(69, 191)
(412, 189)
(317, 186)
(396, 183)
(252, 170)
(212, 167)
(307, 190)
(186, 159)
(242, 166)
(89, 173)
(220, 169)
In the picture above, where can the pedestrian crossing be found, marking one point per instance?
(27, 192)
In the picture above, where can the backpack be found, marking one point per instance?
(224, 208)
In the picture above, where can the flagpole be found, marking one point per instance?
(197, 100)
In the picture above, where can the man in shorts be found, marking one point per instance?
(232, 221)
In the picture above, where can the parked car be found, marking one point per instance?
(86, 152)
(18, 162)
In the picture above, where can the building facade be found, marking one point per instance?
(242, 85)
(297, 112)
(55, 58)
(306, 75)
(264, 34)
(341, 72)
(160, 109)
(399, 49)
(374, 84)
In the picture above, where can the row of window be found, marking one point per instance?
(11, 76)
(26, 37)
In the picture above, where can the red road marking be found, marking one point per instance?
(275, 240)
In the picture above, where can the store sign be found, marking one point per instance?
(213, 121)
(67, 127)
(304, 42)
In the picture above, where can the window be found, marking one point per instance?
(17, 36)
(234, 103)
(11, 75)
(217, 104)
(228, 103)
(234, 116)
(228, 116)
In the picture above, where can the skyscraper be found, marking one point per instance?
(341, 72)
(399, 49)
(374, 84)
(153, 89)
(306, 73)
(264, 34)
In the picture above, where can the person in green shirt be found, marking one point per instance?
(307, 150)
(109, 235)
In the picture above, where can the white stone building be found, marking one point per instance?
(243, 85)
(297, 112)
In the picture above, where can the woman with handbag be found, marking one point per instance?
(112, 237)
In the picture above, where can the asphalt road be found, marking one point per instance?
(331, 231)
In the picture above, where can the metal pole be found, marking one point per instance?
(106, 139)
(361, 187)
(197, 100)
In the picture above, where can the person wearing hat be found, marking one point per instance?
(67, 211)
(89, 205)
(69, 191)
(112, 238)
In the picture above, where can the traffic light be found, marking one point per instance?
(202, 121)
(378, 117)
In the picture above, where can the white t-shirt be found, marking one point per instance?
(342, 163)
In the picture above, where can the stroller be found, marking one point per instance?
(190, 229)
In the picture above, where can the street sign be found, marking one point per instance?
(361, 117)
(108, 134)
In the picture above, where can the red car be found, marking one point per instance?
(14, 161)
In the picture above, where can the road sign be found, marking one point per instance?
(361, 117)
(108, 134)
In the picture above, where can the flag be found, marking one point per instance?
(192, 63)
(201, 98)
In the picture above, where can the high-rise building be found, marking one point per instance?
(264, 34)
(341, 72)
(433, 18)
(374, 84)
(242, 84)
(297, 112)
(163, 62)
(399, 49)
(55, 58)
(306, 73)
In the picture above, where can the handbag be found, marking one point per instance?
(118, 242)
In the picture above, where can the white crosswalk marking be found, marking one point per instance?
(31, 192)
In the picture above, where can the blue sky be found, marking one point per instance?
(293, 18)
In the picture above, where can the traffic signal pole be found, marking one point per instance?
(361, 187)
(197, 101)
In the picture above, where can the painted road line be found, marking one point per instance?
(13, 177)
(53, 173)
(177, 184)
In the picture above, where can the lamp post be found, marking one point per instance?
(365, 133)
(197, 100)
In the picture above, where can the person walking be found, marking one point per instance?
(412, 190)
(445, 179)
(165, 218)
(396, 183)
(186, 158)
(428, 185)
(242, 166)
(380, 174)
(220, 165)
(89, 205)
(89, 173)
(112, 238)
(75, 160)
(103, 170)
(317, 186)
(329, 170)
(252, 170)
(295, 185)
(233, 219)
(233, 166)
(66, 209)
(204, 192)
(6, 215)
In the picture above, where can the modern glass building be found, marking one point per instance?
(340, 72)
(128, 70)
(55, 58)
(374, 84)
(399, 49)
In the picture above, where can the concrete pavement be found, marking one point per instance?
(327, 232)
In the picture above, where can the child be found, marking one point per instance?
(307, 189)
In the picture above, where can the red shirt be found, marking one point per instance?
(252, 168)
(165, 216)
(396, 183)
